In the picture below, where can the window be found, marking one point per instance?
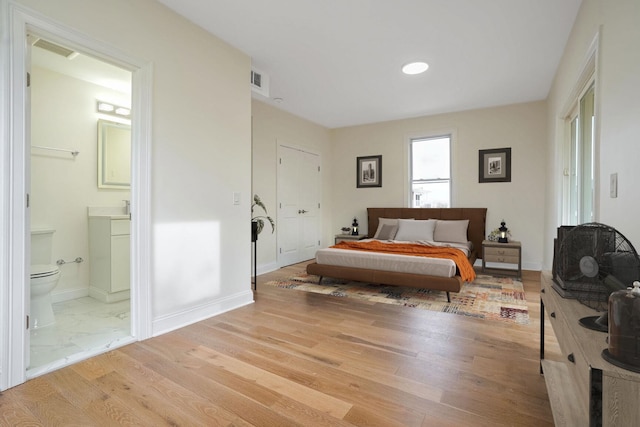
(580, 200)
(430, 172)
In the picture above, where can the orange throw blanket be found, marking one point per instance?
(467, 273)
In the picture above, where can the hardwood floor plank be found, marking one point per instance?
(305, 395)
(57, 411)
(248, 404)
(365, 417)
(309, 374)
(14, 413)
(297, 358)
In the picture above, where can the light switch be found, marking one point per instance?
(613, 185)
(236, 198)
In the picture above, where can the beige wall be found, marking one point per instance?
(201, 145)
(201, 152)
(520, 202)
(272, 127)
(615, 22)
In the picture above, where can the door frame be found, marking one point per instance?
(280, 146)
(16, 21)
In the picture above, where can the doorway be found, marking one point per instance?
(80, 168)
(298, 205)
(14, 216)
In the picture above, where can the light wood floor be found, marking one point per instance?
(295, 358)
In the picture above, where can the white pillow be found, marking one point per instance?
(387, 229)
(454, 231)
(414, 230)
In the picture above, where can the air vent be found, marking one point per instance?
(259, 82)
(55, 48)
(256, 79)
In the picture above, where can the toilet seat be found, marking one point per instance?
(39, 271)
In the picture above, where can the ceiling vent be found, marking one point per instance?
(55, 48)
(259, 82)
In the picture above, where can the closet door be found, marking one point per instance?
(298, 205)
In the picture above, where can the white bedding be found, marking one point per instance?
(392, 262)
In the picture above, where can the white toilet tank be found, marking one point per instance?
(41, 245)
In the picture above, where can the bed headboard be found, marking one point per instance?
(477, 218)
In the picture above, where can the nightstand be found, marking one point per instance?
(504, 253)
(351, 237)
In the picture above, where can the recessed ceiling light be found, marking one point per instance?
(415, 67)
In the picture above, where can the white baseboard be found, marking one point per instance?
(173, 321)
(532, 266)
(267, 268)
(108, 297)
(69, 294)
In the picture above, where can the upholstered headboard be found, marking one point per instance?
(477, 218)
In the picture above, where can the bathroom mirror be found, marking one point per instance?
(114, 155)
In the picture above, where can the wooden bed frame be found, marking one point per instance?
(476, 232)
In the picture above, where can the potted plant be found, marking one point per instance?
(257, 221)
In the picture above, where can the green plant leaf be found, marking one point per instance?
(260, 218)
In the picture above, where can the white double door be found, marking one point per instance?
(298, 205)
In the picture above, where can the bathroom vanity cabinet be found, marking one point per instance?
(110, 257)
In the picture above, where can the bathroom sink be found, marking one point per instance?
(113, 212)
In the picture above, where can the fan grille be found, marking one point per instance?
(594, 261)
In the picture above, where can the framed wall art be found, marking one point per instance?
(369, 171)
(495, 165)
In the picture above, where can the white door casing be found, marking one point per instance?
(16, 21)
(298, 222)
(27, 180)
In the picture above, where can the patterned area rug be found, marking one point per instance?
(487, 297)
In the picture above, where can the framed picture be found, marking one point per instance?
(369, 171)
(495, 165)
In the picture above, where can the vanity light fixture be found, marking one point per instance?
(103, 107)
(112, 109)
(415, 68)
(121, 111)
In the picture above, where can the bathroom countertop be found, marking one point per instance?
(110, 216)
(112, 212)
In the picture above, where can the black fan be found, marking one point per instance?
(596, 260)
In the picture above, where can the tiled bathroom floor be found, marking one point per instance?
(82, 325)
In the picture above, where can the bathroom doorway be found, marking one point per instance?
(80, 189)
(15, 215)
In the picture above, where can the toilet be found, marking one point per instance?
(43, 277)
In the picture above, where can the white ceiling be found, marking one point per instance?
(337, 62)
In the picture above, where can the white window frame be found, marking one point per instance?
(587, 78)
(408, 156)
(580, 164)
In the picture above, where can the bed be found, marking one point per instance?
(372, 268)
